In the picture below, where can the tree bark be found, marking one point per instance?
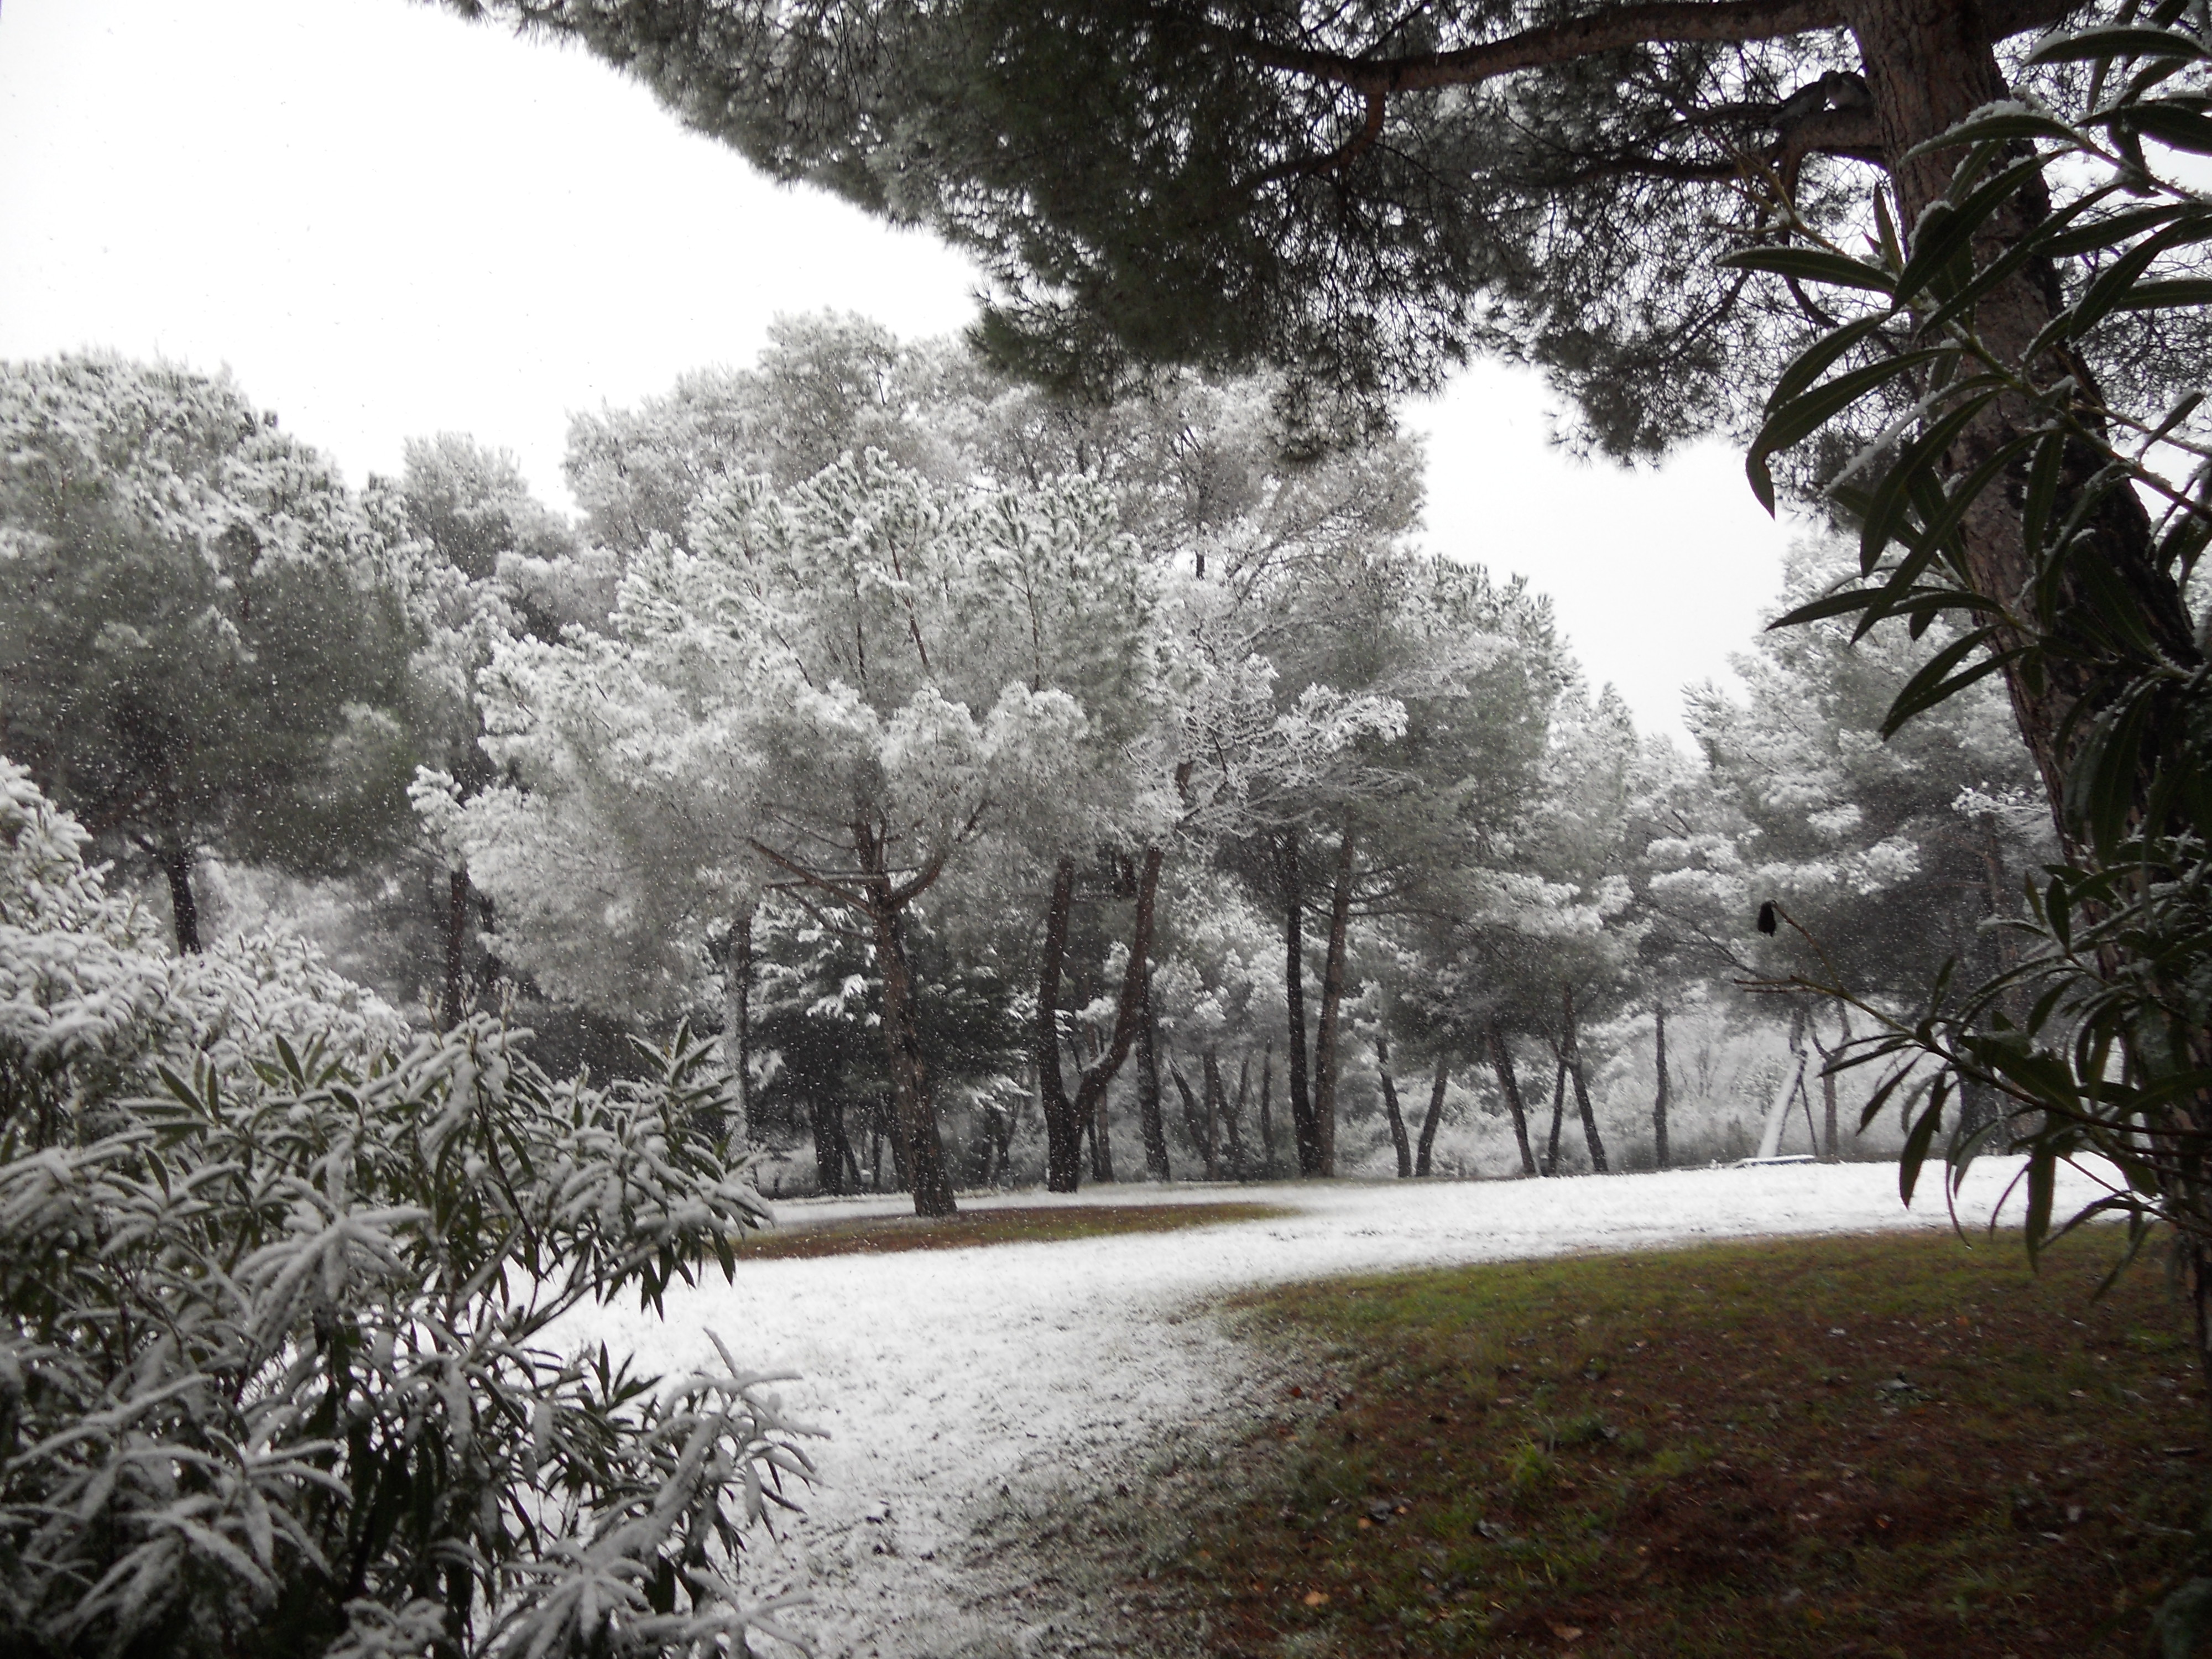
(457, 935)
(1233, 1120)
(1398, 1140)
(1573, 1060)
(1267, 1113)
(1659, 1099)
(1558, 1115)
(822, 1115)
(738, 1028)
(1196, 1123)
(1930, 63)
(1063, 1126)
(1501, 1061)
(1328, 1050)
(1149, 1128)
(1435, 1116)
(184, 908)
(917, 1111)
(1128, 1012)
(1303, 1131)
(1220, 1127)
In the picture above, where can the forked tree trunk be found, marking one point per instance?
(1303, 1134)
(1327, 1048)
(1063, 1128)
(1398, 1141)
(1197, 1123)
(1572, 1058)
(1659, 1099)
(1435, 1115)
(1501, 1061)
(184, 908)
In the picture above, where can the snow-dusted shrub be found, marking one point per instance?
(276, 1372)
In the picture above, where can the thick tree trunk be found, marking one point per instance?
(1063, 1126)
(1398, 1141)
(1435, 1116)
(917, 1111)
(821, 1115)
(1930, 63)
(184, 908)
(1149, 1128)
(457, 939)
(1659, 1099)
(1328, 1049)
(1266, 1109)
(1501, 1061)
(1306, 1137)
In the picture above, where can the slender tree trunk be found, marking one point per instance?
(1435, 1116)
(457, 938)
(184, 908)
(917, 1113)
(1501, 1061)
(490, 967)
(1232, 1119)
(1149, 1128)
(1398, 1140)
(1063, 1126)
(1328, 1049)
(737, 1028)
(1573, 1058)
(1558, 1117)
(845, 1146)
(1302, 1131)
(1659, 1100)
(1267, 1113)
(1834, 1144)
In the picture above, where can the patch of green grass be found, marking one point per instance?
(879, 1235)
(1895, 1446)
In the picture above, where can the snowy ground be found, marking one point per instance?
(967, 1390)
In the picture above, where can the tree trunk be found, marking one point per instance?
(1063, 1126)
(1558, 1115)
(737, 1028)
(1217, 1110)
(1573, 1058)
(1194, 1124)
(1398, 1141)
(1328, 1050)
(184, 908)
(1501, 1061)
(1128, 1012)
(1149, 1128)
(1435, 1116)
(821, 1115)
(1828, 1083)
(1659, 1099)
(1267, 1112)
(917, 1111)
(845, 1146)
(1930, 63)
(1303, 1131)
(1232, 1119)
(456, 938)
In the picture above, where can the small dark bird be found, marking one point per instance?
(1766, 917)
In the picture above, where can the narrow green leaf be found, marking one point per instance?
(1810, 364)
(1935, 681)
(1799, 419)
(2122, 227)
(1946, 230)
(1892, 497)
(1810, 264)
(2170, 294)
(1915, 1154)
(2085, 44)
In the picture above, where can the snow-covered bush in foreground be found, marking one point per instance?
(276, 1372)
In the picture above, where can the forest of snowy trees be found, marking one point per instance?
(1021, 791)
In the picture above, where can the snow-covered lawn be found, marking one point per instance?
(962, 1386)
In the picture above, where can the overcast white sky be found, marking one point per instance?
(388, 223)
